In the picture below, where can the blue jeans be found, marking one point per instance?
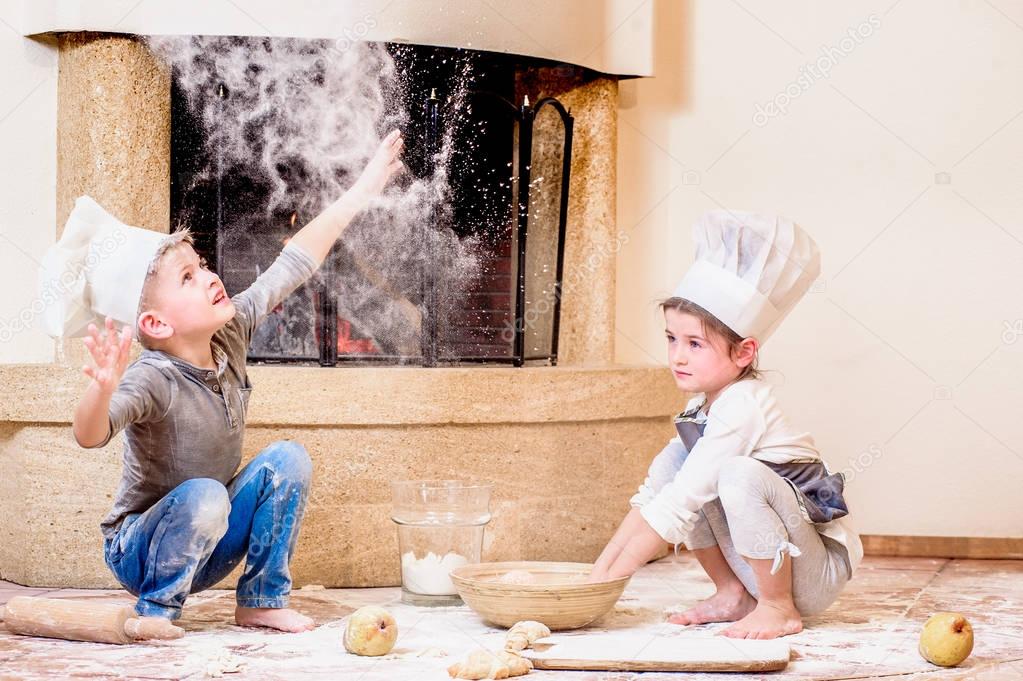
(193, 537)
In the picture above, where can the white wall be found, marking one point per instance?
(28, 170)
(900, 361)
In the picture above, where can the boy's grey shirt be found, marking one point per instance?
(181, 422)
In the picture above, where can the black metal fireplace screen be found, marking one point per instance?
(507, 170)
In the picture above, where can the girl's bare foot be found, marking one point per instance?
(724, 606)
(282, 619)
(768, 620)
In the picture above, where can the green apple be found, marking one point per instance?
(947, 639)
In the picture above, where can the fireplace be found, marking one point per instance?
(473, 275)
(564, 445)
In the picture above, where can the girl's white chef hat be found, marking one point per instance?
(96, 270)
(750, 269)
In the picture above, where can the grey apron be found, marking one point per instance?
(818, 492)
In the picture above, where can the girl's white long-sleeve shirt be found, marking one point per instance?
(745, 420)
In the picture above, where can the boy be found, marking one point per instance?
(182, 519)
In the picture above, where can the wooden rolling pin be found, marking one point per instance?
(83, 621)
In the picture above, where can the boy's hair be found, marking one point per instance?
(713, 326)
(173, 240)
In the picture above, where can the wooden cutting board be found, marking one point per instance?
(622, 652)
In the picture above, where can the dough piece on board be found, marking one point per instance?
(522, 635)
(483, 664)
(479, 664)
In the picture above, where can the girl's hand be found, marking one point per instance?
(614, 547)
(110, 353)
(634, 546)
(381, 168)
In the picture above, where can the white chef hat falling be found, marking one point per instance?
(96, 270)
(750, 269)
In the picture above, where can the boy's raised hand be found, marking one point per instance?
(110, 352)
(381, 168)
(318, 237)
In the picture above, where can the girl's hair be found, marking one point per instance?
(713, 326)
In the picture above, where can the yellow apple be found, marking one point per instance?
(947, 639)
(371, 631)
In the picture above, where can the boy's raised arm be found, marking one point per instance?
(317, 237)
(311, 244)
(91, 425)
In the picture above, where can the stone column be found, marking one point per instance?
(113, 128)
(113, 135)
(592, 243)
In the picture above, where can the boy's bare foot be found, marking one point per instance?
(768, 620)
(282, 619)
(724, 606)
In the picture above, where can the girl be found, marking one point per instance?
(739, 485)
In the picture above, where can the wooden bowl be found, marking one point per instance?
(558, 599)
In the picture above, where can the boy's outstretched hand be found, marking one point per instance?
(110, 352)
(319, 236)
(381, 168)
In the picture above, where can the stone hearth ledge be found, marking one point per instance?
(564, 446)
(311, 396)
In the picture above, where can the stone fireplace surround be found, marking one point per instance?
(565, 446)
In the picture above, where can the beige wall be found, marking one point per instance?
(905, 164)
(28, 168)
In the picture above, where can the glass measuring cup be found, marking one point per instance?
(440, 527)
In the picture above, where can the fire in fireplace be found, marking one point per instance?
(462, 263)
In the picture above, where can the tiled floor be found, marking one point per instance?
(870, 632)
